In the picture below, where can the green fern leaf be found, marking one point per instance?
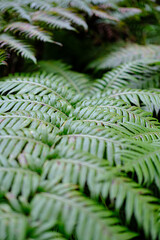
(52, 21)
(75, 211)
(99, 141)
(145, 162)
(75, 19)
(136, 74)
(17, 181)
(29, 31)
(79, 82)
(47, 104)
(125, 54)
(18, 46)
(34, 120)
(102, 180)
(31, 142)
(12, 225)
(17, 7)
(39, 84)
(138, 97)
(127, 113)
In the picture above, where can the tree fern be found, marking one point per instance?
(40, 85)
(26, 141)
(79, 159)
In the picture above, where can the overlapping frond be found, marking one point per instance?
(9, 221)
(138, 74)
(126, 112)
(86, 170)
(18, 46)
(78, 81)
(123, 55)
(79, 214)
(28, 30)
(144, 162)
(137, 97)
(40, 84)
(13, 143)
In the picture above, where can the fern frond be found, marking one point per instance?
(33, 120)
(86, 170)
(145, 162)
(99, 141)
(138, 97)
(78, 81)
(78, 213)
(125, 54)
(52, 21)
(103, 15)
(123, 13)
(39, 84)
(75, 4)
(75, 19)
(29, 30)
(127, 112)
(16, 180)
(49, 235)
(142, 133)
(18, 46)
(13, 225)
(47, 104)
(13, 143)
(15, 6)
(136, 73)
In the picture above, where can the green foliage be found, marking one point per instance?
(77, 160)
(79, 152)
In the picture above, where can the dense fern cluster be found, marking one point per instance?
(80, 159)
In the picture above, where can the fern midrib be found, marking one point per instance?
(133, 92)
(129, 112)
(23, 138)
(92, 136)
(27, 117)
(41, 103)
(24, 171)
(82, 163)
(145, 133)
(40, 85)
(81, 209)
(111, 83)
(97, 121)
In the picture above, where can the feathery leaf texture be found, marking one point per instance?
(123, 55)
(79, 159)
(18, 46)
